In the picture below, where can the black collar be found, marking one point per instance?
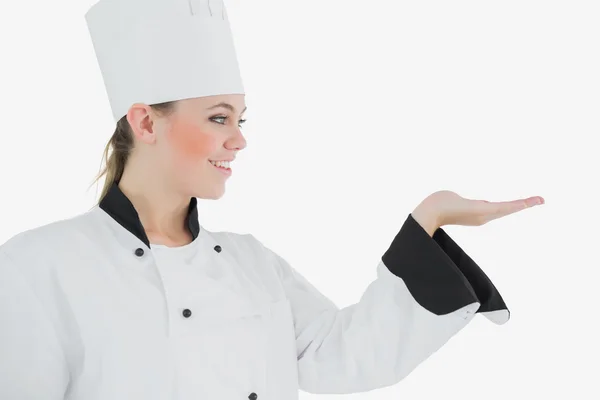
(120, 208)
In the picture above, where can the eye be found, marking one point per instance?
(219, 118)
(225, 118)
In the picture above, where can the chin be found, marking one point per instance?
(206, 193)
(213, 197)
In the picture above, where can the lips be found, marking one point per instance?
(225, 171)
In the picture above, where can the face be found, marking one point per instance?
(197, 132)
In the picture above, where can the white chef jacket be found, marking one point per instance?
(90, 310)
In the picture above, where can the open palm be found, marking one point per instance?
(454, 209)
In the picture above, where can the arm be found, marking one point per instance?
(427, 289)
(32, 363)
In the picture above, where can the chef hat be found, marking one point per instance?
(153, 51)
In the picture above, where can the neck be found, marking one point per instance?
(161, 210)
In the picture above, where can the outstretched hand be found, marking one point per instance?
(448, 208)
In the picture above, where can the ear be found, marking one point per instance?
(142, 120)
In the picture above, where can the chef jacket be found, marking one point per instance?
(91, 310)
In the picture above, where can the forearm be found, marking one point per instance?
(427, 218)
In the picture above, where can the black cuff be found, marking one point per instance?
(492, 303)
(439, 274)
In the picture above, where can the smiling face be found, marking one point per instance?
(197, 132)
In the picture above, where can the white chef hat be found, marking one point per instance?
(153, 51)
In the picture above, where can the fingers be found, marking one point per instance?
(503, 208)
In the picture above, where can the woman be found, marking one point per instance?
(134, 299)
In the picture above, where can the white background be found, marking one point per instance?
(357, 110)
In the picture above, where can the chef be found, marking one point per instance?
(136, 300)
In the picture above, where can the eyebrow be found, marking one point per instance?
(227, 106)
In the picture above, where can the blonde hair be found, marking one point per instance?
(119, 147)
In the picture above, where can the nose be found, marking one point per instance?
(238, 141)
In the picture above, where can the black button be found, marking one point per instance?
(139, 252)
(187, 313)
(253, 396)
(218, 248)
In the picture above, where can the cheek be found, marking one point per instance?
(189, 142)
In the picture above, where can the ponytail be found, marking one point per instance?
(119, 147)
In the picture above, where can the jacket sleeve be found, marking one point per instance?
(426, 290)
(32, 362)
